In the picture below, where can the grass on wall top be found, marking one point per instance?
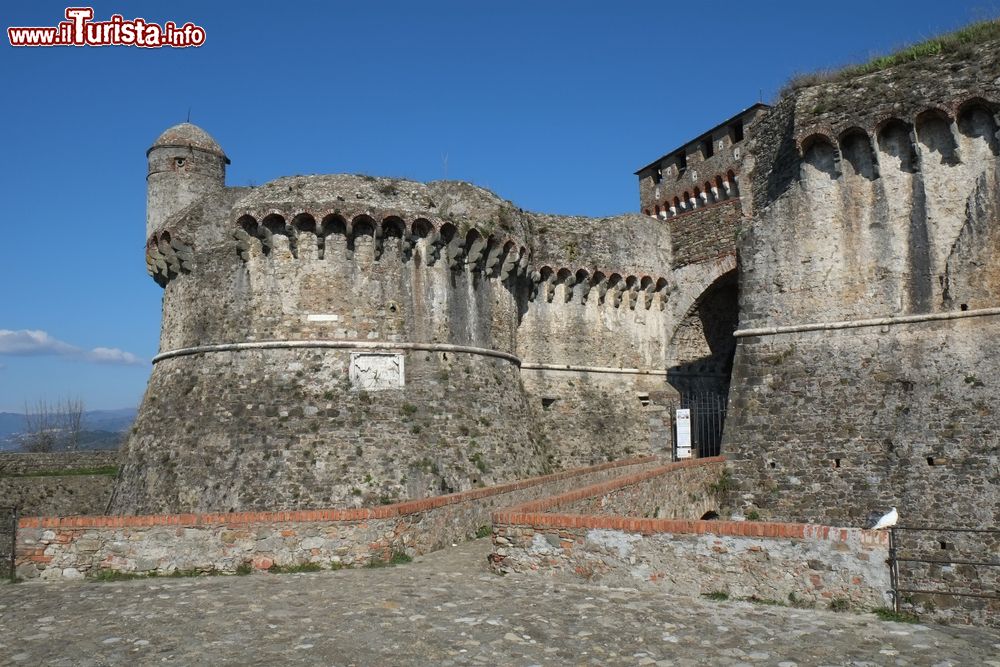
(961, 42)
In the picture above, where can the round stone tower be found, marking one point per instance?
(185, 164)
(326, 341)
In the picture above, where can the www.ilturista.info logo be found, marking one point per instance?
(80, 30)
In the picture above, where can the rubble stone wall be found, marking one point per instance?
(52, 483)
(784, 563)
(52, 548)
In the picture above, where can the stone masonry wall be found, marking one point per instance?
(589, 417)
(675, 491)
(286, 430)
(600, 299)
(628, 243)
(886, 206)
(785, 563)
(828, 426)
(705, 233)
(60, 495)
(615, 531)
(950, 571)
(37, 483)
(23, 463)
(865, 370)
(657, 190)
(71, 548)
(874, 197)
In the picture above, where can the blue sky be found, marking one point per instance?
(552, 105)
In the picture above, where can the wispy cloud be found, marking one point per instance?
(34, 342)
(28, 342)
(112, 355)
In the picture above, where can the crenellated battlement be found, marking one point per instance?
(340, 233)
(966, 127)
(167, 258)
(715, 190)
(611, 287)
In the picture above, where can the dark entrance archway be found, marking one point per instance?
(703, 347)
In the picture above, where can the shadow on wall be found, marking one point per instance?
(704, 344)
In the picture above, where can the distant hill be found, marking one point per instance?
(102, 429)
(10, 423)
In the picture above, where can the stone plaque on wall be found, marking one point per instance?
(373, 371)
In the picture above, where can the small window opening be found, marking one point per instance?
(179, 161)
(737, 131)
(964, 306)
(945, 545)
(930, 460)
(707, 148)
(657, 175)
(392, 308)
(772, 464)
(547, 403)
(682, 162)
(836, 463)
(644, 399)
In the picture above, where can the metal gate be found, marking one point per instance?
(952, 562)
(708, 417)
(8, 542)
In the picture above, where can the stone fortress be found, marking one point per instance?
(831, 264)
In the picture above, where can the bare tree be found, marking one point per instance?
(72, 421)
(53, 427)
(39, 427)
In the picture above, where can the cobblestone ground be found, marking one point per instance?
(443, 609)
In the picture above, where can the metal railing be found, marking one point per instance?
(8, 542)
(895, 559)
(708, 417)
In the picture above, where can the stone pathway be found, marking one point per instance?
(443, 609)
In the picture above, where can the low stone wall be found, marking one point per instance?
(52, 483)
(59, 495)
(787, 563)
(74, 547)
(681, 490)
(14, 464)
(615, 536)
(952, 554)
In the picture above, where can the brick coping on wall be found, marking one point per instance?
(332, 514)
(603, 488)
(533, 514)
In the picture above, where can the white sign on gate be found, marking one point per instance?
(684, 433)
